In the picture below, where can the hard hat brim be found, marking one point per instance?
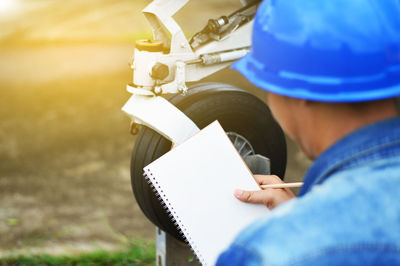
(330, 89)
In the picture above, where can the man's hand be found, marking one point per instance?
(270, 197)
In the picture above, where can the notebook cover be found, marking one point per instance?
(196, 181)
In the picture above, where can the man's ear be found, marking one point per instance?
(308, 102)
(302, 102)
(306, 106)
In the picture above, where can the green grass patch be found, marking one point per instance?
(142, 253)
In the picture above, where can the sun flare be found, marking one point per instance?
(7, 5)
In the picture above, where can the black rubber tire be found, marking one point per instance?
(236, 110)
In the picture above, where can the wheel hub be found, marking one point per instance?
(242, 145)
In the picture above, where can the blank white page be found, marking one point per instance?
(196, 180)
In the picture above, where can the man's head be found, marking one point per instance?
(329, 66)
(317, 125)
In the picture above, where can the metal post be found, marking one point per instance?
(172, 252)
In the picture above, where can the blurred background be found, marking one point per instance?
(64, 142)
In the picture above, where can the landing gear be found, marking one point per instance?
(246, 119)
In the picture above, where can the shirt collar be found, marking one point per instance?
(358, 145)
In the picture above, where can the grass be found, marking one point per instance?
(140, 253)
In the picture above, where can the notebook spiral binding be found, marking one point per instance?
(150, 179)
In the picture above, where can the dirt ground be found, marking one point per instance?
(64, 142)
(64, 149)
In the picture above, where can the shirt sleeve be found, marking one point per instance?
(240, 256)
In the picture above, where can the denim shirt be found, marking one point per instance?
(347, 213)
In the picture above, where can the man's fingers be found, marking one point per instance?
(267, 179)
(260, 196)
(268, 197)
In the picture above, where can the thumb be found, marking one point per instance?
(258, 197)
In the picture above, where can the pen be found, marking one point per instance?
(283, 185)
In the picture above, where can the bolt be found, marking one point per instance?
(134, 128)
(159, 71)
(157, 90)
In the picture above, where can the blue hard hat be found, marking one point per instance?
(326, 50)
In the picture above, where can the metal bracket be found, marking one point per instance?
(165, 29)
(162, 116)
(161, 247)
(159, 13)
(179, 82)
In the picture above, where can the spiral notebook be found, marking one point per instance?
(195, 182)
